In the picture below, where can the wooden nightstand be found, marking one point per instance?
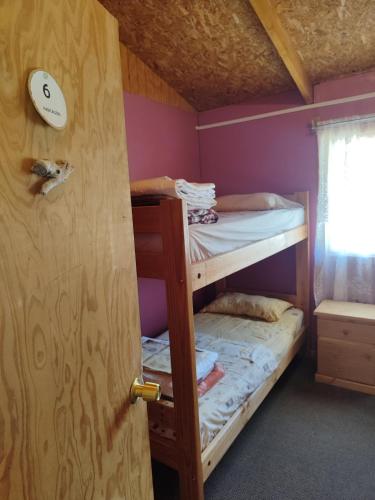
(346, 345)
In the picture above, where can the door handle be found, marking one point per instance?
(148, 391)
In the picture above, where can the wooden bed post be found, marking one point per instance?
(175, 236)
(303, 264)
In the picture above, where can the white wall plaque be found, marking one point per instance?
(48, 98)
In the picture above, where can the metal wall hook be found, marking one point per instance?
(56, 172)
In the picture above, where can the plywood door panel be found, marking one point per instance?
(69, 321)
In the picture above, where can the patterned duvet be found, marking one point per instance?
(250, 351)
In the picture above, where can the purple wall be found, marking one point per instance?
(162, 140)
(361, 83)
(276, 154)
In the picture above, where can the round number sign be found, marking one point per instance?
(48, 98)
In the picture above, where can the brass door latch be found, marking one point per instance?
(148, 391)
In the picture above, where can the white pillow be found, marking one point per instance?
(253, 201)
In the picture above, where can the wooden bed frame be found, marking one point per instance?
(172, 264)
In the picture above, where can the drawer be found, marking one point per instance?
(345, 330)
(346, 360)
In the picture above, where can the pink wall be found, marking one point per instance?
(162, 140)
(276, 154)
(361, 83)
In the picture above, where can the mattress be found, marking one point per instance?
(237, 229)
(233, 230)
(250, 351)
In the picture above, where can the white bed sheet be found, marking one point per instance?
(234, 338)
(233, 230)
(237, 229)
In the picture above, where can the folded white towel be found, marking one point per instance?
(194, 189)
(196, 195)
(157, 357)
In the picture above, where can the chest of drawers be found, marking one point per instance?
(346, 345)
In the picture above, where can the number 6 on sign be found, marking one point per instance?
(48, 98)
(46, 92)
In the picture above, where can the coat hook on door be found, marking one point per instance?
(56, 172)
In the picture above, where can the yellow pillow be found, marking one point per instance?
(255, 306)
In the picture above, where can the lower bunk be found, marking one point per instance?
(253, 354)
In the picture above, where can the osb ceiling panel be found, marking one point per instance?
(213, 52)
(333, 37)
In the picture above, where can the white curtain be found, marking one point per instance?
(345, 239)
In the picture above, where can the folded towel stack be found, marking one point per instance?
(157, 366)
(198, 196)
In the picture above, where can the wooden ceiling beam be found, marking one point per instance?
(281, 40)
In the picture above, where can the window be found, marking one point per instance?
(345, 232)
(350, 228)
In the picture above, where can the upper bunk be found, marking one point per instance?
(162, 233)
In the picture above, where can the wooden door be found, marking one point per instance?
(69, 321)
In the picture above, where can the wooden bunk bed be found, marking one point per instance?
(168, 221)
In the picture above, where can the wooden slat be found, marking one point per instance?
(216, 268)
(303, 260)
(345, 384)
(217, 448)
(162, 413)
(271, 22)
(151, 265)
(146, 219)
(138, 78)
(303, 278)
(164, 450)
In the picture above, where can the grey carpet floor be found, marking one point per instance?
(307, 441)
